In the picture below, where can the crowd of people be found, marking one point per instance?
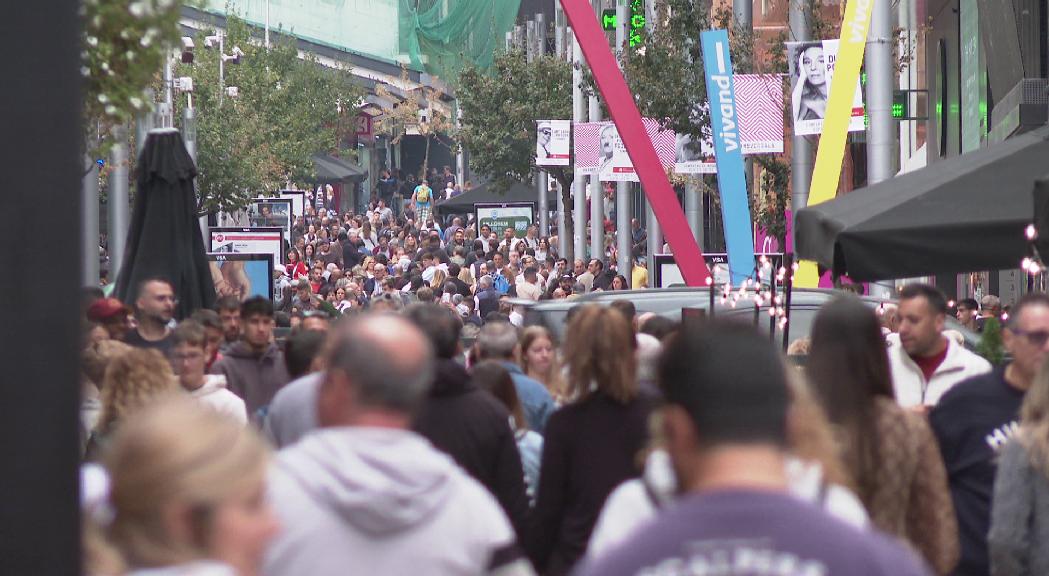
(385, 442)
(392, 255)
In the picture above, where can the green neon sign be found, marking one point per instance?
(608, 19)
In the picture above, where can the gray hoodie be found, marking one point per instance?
(379, 501)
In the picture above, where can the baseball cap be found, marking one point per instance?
(105, 309)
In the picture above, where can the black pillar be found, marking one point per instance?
(39, 327)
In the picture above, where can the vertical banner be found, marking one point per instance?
(969, 16)
(827, 171)
(614, 164)
(728, 153)
(552, 142)
(624, 112)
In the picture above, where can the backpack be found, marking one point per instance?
(422, 195)
(501, 284)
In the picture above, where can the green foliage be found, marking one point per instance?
(770, 200)
(500, 107)
(288, 109)
(990, 346)
(124, 45)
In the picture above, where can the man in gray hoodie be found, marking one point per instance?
(366, 495)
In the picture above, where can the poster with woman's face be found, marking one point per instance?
(811, 74)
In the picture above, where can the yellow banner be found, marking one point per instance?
(827, 171)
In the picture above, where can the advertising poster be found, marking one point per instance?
(599, 149)
(553, 142)
(271, 212)
(248, 241)
(242, 275)
(516, 215)
(811, 74)
(668, 275)
(691, 157)
(760, 101)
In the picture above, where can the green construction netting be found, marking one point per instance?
(442, 36)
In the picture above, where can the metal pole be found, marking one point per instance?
(624, 239)
(189, 136)
(597, 191)
(562, 240)
(655, 243)
(540, 35)
(543, 188)
(144, 122)
(530, 40)
(880, 79)
(579, 184)
(89, 232)
(801, 149)
(694, 207)
(267, 24)
(169, 108)
(559, 31)
(117, 202)
(743, 10)
(222, 66)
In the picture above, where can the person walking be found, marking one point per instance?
(978, 417)
(889, 452)
(366, 495)
(464, 422)
(592, 444)
(1020, 513)
(498, 341)
(154, 309)
(187, 493)
(539, 361)
(925, 364)
(725, 421)
(188, 360)
(422, 202)
(254, 367)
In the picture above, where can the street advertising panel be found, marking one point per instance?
(242, 275)
(248, 241)
(553, 142)
(500, 216)
(270, 212)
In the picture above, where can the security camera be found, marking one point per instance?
(232, 91)
(212, 41)
(187, 50)
(237, 51)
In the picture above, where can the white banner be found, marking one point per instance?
(553, 142)
(811, 73)
(692, 159)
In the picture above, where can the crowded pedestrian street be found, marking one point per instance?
(527, 288)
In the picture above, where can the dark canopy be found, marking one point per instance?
(464, 202)
(164, 238)
(332, 169)
(963, 214)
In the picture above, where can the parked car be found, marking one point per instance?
(805, 303)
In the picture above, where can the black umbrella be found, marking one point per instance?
(464, 202)
(164, 239)
(963, 214)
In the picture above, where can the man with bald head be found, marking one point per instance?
(366, 495)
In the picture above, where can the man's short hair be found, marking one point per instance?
(227, 304)
(530, 271)
(600, 263)
(497, 340)
(935, 298)
(440, 325)
(189, 332)
(731, 382)
(301, 349)
(256, 306)
(140, 289)
(1028, 300)
(968, 304)
(207, 318)
(379, 382)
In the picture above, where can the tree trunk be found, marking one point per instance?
(566, 202)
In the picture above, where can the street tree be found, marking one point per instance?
(287, 108)
(499, 108)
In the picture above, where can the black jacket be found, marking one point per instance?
(472, 427)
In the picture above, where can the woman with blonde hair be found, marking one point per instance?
(133, 380)
(539, 360)
(1020, 513)
(591, 444)
(187, 492)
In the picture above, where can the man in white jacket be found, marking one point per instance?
(188, 360)
(925, 363)
(366, 495)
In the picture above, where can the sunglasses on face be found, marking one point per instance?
(1035, 337)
